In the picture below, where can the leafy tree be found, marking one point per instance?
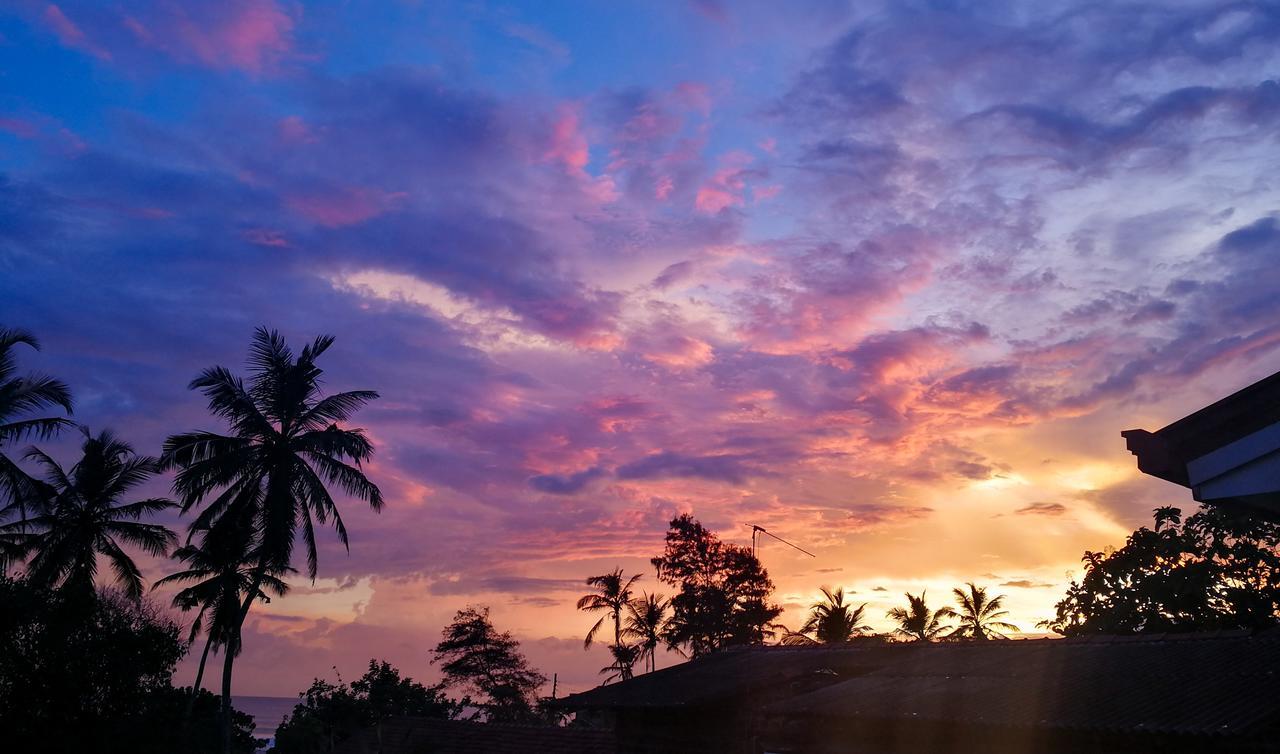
(831, 621)
(981, 616)
(80, 515)
(331, 713)
(622, 668)
(475, 657)
(220, 571)
(20, 396)
(647, 624)
(1215, 570)
(274, 468)
(723, 596)
(80, 675)
(917, 622)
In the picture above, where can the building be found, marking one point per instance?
(416, 735)
(1209, 692)
(1227, 453)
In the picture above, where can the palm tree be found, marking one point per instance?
(612, 595)
(624, 661)
(981, 617)
(830, 621)
(20, 396)
(918, 622)
(646, 623)
(80, 515)
(284, 447)
(220, 570)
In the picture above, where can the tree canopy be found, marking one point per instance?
(1213, 570)
(723, 596)
(477, 658)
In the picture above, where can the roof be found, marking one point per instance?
(1201, 683)
(413, 735)
(1166, 452)
(1221, 683)
(728, 674)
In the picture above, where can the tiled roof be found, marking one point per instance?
(408, 735)
(1207, 683)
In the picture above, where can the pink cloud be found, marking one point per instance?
(567, 145)
(70, 34)
(726, 187)
(23, 129)
(342, 206)
(295, 130)
(248, 36)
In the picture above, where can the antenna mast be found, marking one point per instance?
(756, 531)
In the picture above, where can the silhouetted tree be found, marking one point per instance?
(220, 570)
(1215, 570)
(981, 616)
(647, 624)
(612, 595)
(622, 668)
(723, 596)
(20, 396)
(80, 516)
(475, 657)
(332, 713)
(917, 621)
(284, 450)
(93, 675)
(830, 621)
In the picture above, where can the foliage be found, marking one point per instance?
(331, 713)
(981, 616)
(79, 516)
(612, 595)
(475, 657)
(831, 621)
(19, 397)
(723, 596)
(917, 622)
(92, 674)
(647, 624)
(275, 467)
(1215, 570)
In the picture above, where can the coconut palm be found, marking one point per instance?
(646, 623)
(220, 571)
(284, 450)
(612, 596)
(624, 661)
(830, 621)
(917, 621)
(981, 617)
(80, 516)
(20, 396)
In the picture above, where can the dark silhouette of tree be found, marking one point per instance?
(476, 658)
(981, 616)
(220, 571)
(647, 624)
(1215, 570)
(20, 396)
(80, 515)
(332, 713)
(831, 621)
(612, 596)
(917, 621)
(93, 675)
(622, 668)
(284, 450)
(723, 596)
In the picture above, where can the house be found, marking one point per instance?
(1227, 453)
(416, 735)
(1207, 692)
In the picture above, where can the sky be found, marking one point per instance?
(887, 279)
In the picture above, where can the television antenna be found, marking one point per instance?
(756, 531)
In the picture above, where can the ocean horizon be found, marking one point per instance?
(267, 711)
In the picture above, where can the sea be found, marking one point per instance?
(267, 711)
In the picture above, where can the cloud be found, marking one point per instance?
(1042, 509)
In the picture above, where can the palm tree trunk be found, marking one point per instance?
(233, 646)
(195, 690)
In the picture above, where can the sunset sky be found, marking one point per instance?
(887, 279)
